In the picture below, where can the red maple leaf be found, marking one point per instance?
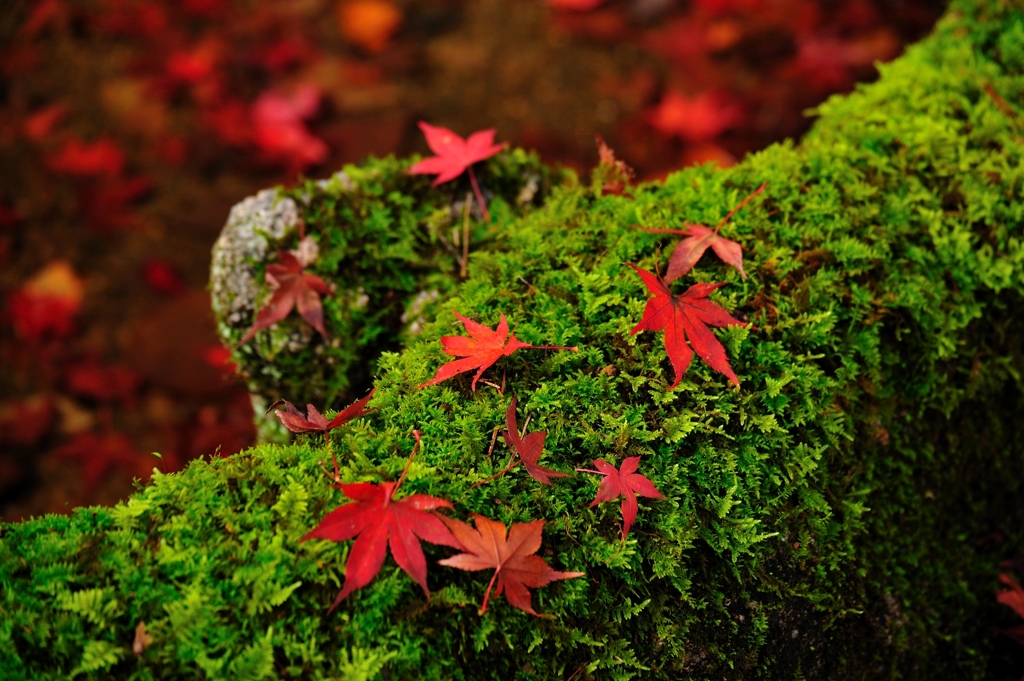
(688, 251)
(1012, 597)
(482, 349)
(516, 569)
(696, 119)
(686, 317)
(102, 157)
(455, 156)
(315, 422)
(529, 448)
(292, 288)
(624, 482)
(376, 520)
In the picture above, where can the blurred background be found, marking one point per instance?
(128, 128)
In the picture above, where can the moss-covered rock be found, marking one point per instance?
(387, 241)
(840, 514)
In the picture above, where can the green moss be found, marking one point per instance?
(841, 514)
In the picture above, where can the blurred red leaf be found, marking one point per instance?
(696, 119)
(100, 455)
(102, 157)
(24, 423)
(369, 23)
(190, 67)
(574, 5)
(279, 131)
(102, 383)
(8, 218)
(40, 124)
(105, 207)
(219, 357)
(132, 19)
(162, 277)
(230, 122)
(47, 303)
(624, 482)
(44, 13)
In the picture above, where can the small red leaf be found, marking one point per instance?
(626, 483)
(483, 348)
(529, 448)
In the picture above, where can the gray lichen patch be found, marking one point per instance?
(251, 227)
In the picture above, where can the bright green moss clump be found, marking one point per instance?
(840, 515)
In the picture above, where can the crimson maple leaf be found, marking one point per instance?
(697, 119)
(483, 348)
(516, 569)
(455, 156)
(529, 448)
(683, 317)
(1012, 597)
(699, 238)
(293, 288)
(315, 422)
(377, 521)
(624, 482)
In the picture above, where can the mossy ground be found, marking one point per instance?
(841, 514)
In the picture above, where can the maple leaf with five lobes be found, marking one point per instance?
(481, 349)
(624, 482)
(516, 568)
(529, 448)
(293, 288)
(456, 156)
(686, 317)
(698, 239)
(377, 521)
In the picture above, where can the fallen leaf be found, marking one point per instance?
(102, 383)
(162, 277)
(293, 288)
(697, 119)
(529, 448)
(612, 174)
(314, 421)
(1012, 597)
(376, 521)
(142, 640)
(99, 455)
(516, 569)
(456, 156)
(279, 130)
(482, 349)
(41, 124)
(624, 482)
(698, 239)
(369, 23)
(47, 303)
(574, 5)
(102, 157)
(683, 317)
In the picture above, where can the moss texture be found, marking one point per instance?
(840, 515)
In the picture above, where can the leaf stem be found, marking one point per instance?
(479, 195)
(741, 204)
(587, 470)
(415, 434)
(487, 594)
(330, 450)
(465, 235)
